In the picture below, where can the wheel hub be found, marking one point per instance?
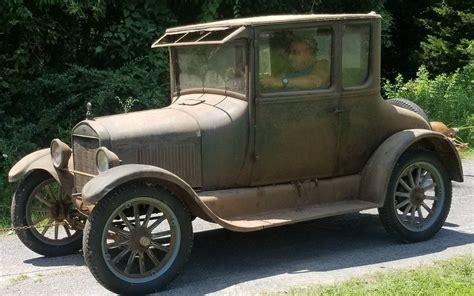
(140, 239)
(144, 241)
(60, 211)
(417, 196)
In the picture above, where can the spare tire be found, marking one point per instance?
(409, 105)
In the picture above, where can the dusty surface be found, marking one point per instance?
(224, 262)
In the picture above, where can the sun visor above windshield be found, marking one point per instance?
(216, 35)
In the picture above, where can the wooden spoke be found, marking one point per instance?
(119, 231)
(136, 213)
(49, 192)
(160, 234)
(431, 197)
(159, 246)
(67, 230)
(430, 186)
(56, 230)
(426, 208)
(410, 178)
(418, 176)
(121, 254)
(43, 200)
(46, 227)
(152, 257)
(425, 177)
(405, 185)
(148, 215)
(157, 222)
(118, 244)
(402, 194)
(403, 203)
(125, 220)
(412, 220)
(405, 212)
(130, 261)
(141, 262)
(420, 214)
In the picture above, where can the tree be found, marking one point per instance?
(449, 44)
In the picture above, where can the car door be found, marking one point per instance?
(296, 105)
(360, 101)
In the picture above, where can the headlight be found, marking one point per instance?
(106, 159)
(60, 154)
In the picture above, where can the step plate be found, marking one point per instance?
(290, 216)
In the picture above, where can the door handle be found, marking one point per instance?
(337, 111)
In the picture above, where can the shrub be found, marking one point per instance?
(445, 98)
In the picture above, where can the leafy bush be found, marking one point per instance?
(445, 98)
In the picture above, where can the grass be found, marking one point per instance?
(449, 277)
(18, 279)
(467, 154)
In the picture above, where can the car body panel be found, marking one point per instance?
(41, 160)
(377, 171)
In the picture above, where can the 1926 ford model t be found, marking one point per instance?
(273, 120)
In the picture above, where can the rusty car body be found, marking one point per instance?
(237, 154)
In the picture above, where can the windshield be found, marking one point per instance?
(209, 66)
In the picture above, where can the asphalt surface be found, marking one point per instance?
(228, 263)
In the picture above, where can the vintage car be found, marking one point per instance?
(273, 120)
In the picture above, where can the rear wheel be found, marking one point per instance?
(137, 239)
(44, 217)
(418, 197)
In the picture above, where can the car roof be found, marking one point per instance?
(273, 19)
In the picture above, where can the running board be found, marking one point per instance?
(291, 216)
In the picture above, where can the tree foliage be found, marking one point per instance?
(449, 43)
(444, 97)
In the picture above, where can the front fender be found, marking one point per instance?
(41, 160)
(377, 171)
(104, 183)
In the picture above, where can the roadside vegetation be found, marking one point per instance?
(449, 277)
(57, 55)
(448, 98)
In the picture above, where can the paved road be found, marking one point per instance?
(224, 262)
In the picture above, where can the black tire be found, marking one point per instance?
(409, 105)
(398, 215)
(99, 257)
(30, 236)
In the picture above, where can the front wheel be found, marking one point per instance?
(44, 218)
(418, 197)
(137, 239)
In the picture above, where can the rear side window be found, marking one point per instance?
(355, 54)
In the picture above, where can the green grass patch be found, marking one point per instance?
(449, 277)
(467, 154)
(18, 279)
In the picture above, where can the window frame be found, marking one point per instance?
(299, 93)
(369, 78)
(173, 74)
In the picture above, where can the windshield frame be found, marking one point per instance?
(175, 92)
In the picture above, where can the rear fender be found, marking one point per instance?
(41, 160)
(376, 173)
(104, 183)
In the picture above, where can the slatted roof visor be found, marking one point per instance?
(216, 35)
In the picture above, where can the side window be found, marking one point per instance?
(292, 60)
(355, 54)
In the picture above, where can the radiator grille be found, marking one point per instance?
(179, 159)
(84, 150)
